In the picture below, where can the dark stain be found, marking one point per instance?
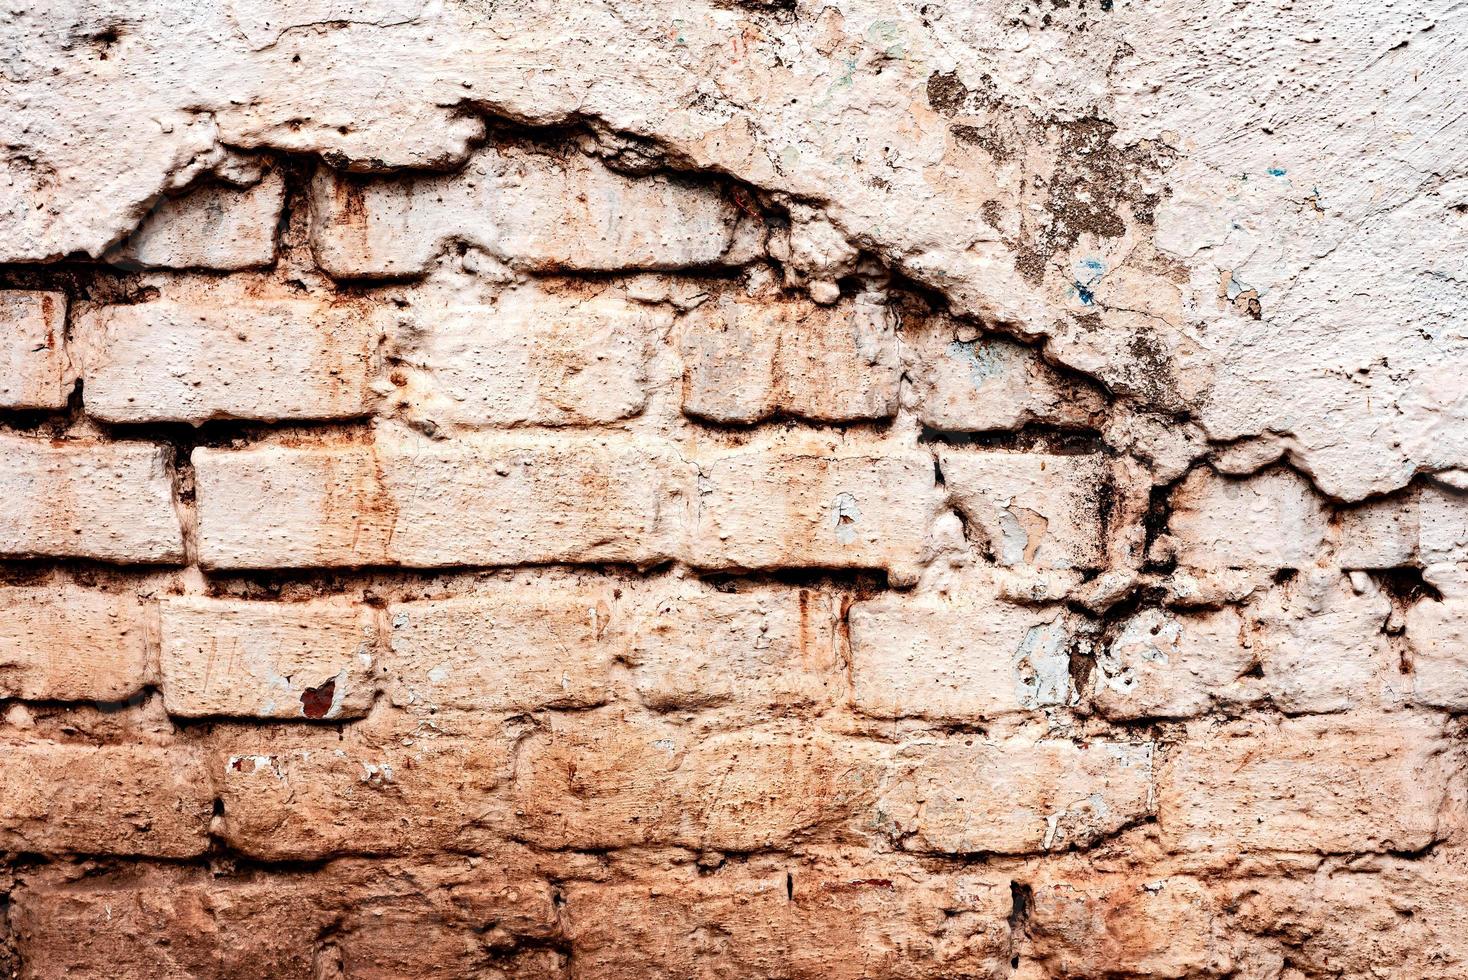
(1405, 586)
(1081, 662)
(983, 139)
(351, 201)
(48, 314)
(946, 94)
(1021, 900)
(1151, 370)
(316, 701)
(1092, 185)
(804, 627)
(1088, 184)
(857, 884)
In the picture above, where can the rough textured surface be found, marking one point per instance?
(733, 489)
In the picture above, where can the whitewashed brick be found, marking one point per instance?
(1321, 643)
(433, 504)
(747, 358)
(111, 502)
(1379, 534)
(211, 227)
(1164, 664)
(984, 384)
(515, 650)
(1310, 645)
(532, 209)
(287, 660)
(974, 795)
(1032, 509)
(35, 371)
(1271, 520)
(957, 658)
(823, 508)
(771, 649)
(215, 354)
(72, 643)
(1438, 635)
(1443, 527)
(534, 358)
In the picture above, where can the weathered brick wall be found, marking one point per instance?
(574, 562)
(518, 573)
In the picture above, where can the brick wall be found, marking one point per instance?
(550, 570)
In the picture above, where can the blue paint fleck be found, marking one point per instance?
(980, 357)
(1275, 171)
(1088, 273)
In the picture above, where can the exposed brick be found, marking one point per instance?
(1404, 910)
(514, 650)
(372, 918)
(214, 226)
(420, 944)
(35, 371)
(115, 799)
(608, 783)
(532, 358)
(799, 919)
(1083, 924)
(168, 923)
(747, 358)
(762, 649)
(266, 659)
(823, 508)
(1317, 784)
(1032, 509)
(1438, 635)
(1271, 520)
(111, 502)
(69, 643)
(427, 504)
(535, 210)
(216, 354)
(288, 796)
(984, 384)
(974, 794)
(957, 658)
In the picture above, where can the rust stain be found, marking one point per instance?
(351, 201)
(804, 628)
